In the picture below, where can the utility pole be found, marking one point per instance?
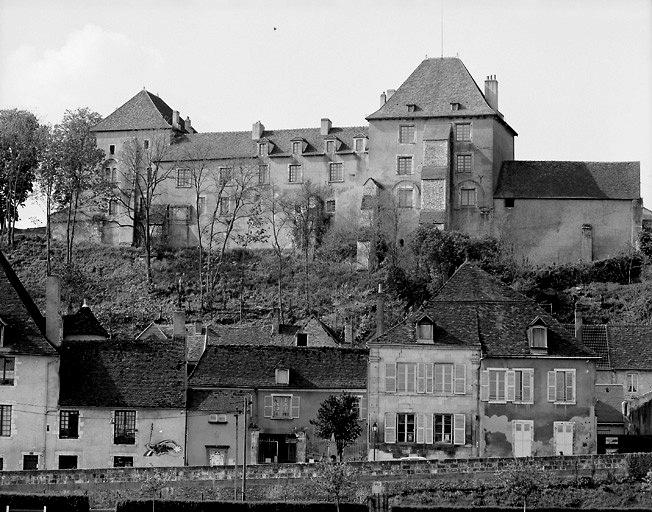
(235, 463)
(244, 450)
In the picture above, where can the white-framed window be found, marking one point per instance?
(297, 147)
(464, 162)
(294, 173)
(8, 369)
(443, 428)
(263, 174)
(468, 197)
(330, 206)
(5, 420)
(404, 165)
(359, 145)
(184, 178)
(406, 134)
(425, 330)
(538, 335)
(444, 378)
(405, 197)
(463, 132)
(124, 427)
(262, 149)
(405, 427)
(406, 374)
(336, 171)
(632, 382)
(497, 385)
(330, 147)
(281, 406)
(501, 385)
(283, 376)
(561, 386)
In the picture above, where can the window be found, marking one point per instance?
(146, 144)
(282, 376)
(111, 149)
(335, 172)
(330, 206)
(455, 106)
(30, 462)
(405, 197)
(497, 385)
(263, 174)
(183, 178)
(443, 378)
(443, 428)
(225, 175)
(523, 385)
(411, 107)
(464, 163)
(406, 377)
(405, 426)
(538, 336)
(281, 405)
(390, 378)
(463, 132)
(121, 461)
(67, 461)
(5, 420)
(294, 173)
(330, 146)
(112, 207)
(425, 330)
(262, 149)
(224, 205)
(561, 386)
(358, 145)
(404, 165)
(509, 202)
(296, 147)
(68, 424)
(201, 205)
(406, 133)
(467, 197)
(7, 367)
(632, 382)
(124, 427)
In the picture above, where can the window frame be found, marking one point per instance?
(470, 129)
(523, 372)
(122, 434)
(282, 395)
(263, 149)
(475, 197)
(111, 149)
(64, 432)
(124, 458)
(184, 177)
(6, 413)
(67, 455)
(443, 425)
(359, 140)
(225, 206)
(405, 387)
(402, 190)
(225, 174)
(425, 322)
(6, 380)
(340, 173)
(263, 174)
(447, 388)
(406, 433)
(400, 158)
(327, 206)
(400, 133)
(145, 143)
(632, 382)
(566, 400)
(531, 331)
(297, 144)
(330, 143)
(299, 173)
(278, 373)
(497, 398)
(465, 157)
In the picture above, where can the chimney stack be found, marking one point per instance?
(325, 126)
(176, 124)
(276, 320)
(179, 324)
(348, 332)
(491, 91)
(380, 311)
(579, 322)
(257, 130)
(188, 124)
(383, 98)
(390, 93)
(53, 320)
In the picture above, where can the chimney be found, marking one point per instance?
(491, 91)
(179, 324)
(325, 126)
(579, 322)
(586, 246)
(175, 120)
(257, 130)
(53, 320)
(188, 124)
(383, 99)
(276, 320)
(390, 93)
(348, 332)
(380, 311)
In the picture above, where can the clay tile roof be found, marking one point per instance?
(608, 408)
(255, 334)
(144, 111)
(114, 373)
(24, 320)
(595, 338)
(255, 366)
(559, 179)
(630, 346)
(83, 323)
(470, 283)
(217, 400)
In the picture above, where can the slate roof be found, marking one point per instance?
(230, 145)
(83, 323)
(25, 324)
(608, 408)
(254, 366)
(145, 111)
(118, 373)
(595, 338)
(475, 309)
(217, 400)
(560, 179)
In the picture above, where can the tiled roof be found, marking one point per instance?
(254, 366)
(24, 320)
(83, 323)
(630, 346)
(217, 400)
(608, 407)
(147, 373)
(142, 112)
(228, 145)
(582, 180)
(255, 334)
(595, 338)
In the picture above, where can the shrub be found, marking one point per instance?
(53, 503)
(638, 465)
(234, 506)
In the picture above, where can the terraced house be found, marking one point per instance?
(437, 152)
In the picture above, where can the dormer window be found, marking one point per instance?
(283, 376)
(455, 106)
(302, 339)
(262, 149)
(330, 147)
(297, 147)
(425, 329)
(359, 145)
(538, 335)
(411, 107)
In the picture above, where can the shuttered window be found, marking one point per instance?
(405, 428)
(459, 429)
(507, 385)
(390, 427)
(561, 386)
(443, 378)
(406, 377)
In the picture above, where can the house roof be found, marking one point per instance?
(255, 366)
(230, 145)
(475, 309)
(145, 111)
(123, 373)
(195, 341)
(83, 323)
(608, 407)
(24, 322)
(217, 400)
(559, 179)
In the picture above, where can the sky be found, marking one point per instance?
(575, 76)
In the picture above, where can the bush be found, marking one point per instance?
(638, 465)
(53, 503)
(234, 506)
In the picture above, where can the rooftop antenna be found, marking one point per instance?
(442, 29)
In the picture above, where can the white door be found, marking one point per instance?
(523, 435)
(563, 437)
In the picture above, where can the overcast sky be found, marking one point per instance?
(575, 77)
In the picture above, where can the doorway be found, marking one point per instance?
(563, 437)
(277, 448)
(523, 436)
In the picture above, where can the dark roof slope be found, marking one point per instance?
(147, 373)
(25, 324)
(83, 323)
(217, 400)
(255, 366)
(630, 346)
(582, 180)
(254, 334)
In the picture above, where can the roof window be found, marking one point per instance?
(283, 376)
(302, 339)
(456, 106)
(411, 107)
(425, 329)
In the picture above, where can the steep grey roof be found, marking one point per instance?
(630, 346)
(560, 179)
(83, 323)
(217, 400)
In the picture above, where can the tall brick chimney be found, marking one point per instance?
(383, 98)
(188, 124)
(257, 130)
(176, 124)
(53, 320)
(491, 91)
(325, 126)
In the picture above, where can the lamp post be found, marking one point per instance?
(374, 429)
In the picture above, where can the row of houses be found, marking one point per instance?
(480, 371)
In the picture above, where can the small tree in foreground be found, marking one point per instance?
(338, 417)
(524, 480)
(335, 481)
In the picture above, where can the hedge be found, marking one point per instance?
(425, 508)
(234, 506)
(37, 501)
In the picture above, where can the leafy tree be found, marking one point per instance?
(335, 480)
(338, 417)
(48, 171)
(645, 241)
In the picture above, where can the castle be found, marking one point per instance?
(438, 149)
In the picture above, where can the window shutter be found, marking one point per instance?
(363, 406)
(570, 386)
(390, 378)
(484, 385)
(390, 427)
(428, 439)
(267, 409)
(460, 379)
(439, 378)
(421, 423)
(552, 386)
(510, 386)
(528, 385)
(294, 410)
(421, 377)
(429, 378)
(459, 431)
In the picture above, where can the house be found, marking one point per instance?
(29, 363)
(437, 152)
(282, 388)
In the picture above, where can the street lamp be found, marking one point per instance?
(374, 429)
